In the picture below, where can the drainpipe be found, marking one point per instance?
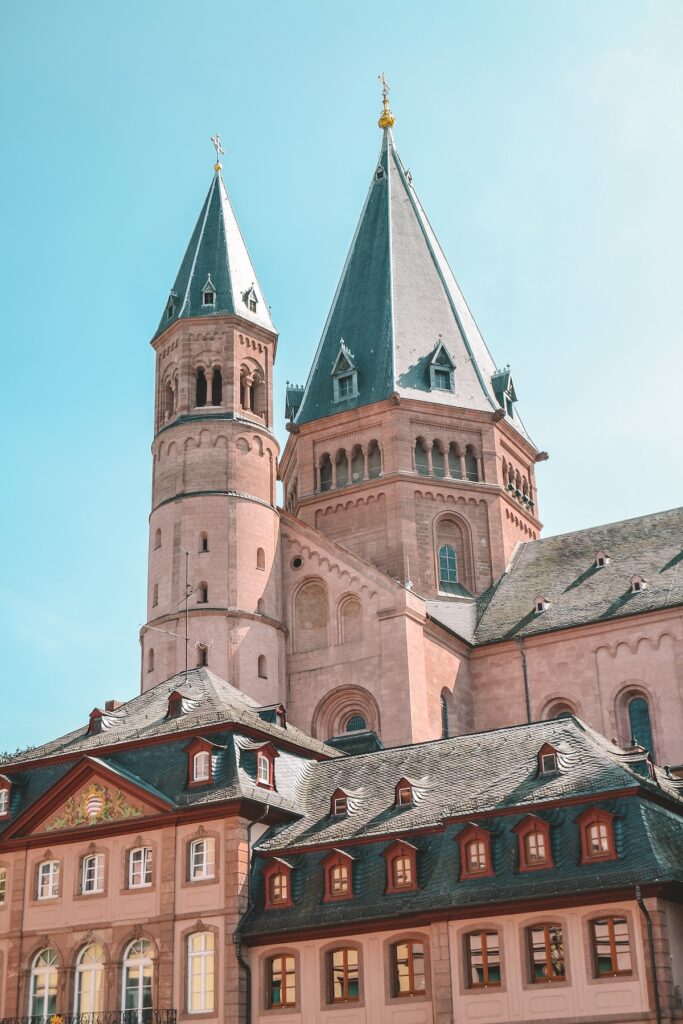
(237, 937)
(527, 700)
(651, 949)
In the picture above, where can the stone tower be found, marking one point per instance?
(214, 521)
(406, 445)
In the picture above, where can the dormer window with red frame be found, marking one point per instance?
(175, 705)
(278, 880)
(339, 804)
(95, 726)
(401, 867)
(199, 763)
(338, 868)
(547, 760)
(404, 793)
(535, 851)
(5, 786)
(638, 584)
(475, 852)
(265, 766)
(597, 835)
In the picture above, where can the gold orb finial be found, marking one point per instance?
(386, 118)
(216, 140)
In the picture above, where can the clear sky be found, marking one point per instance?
(545, 140)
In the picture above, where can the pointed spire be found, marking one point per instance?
(216, 276)
(397, 300)
(386, 118)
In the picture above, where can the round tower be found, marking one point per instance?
(213, 581)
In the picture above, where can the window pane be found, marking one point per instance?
(419, 983)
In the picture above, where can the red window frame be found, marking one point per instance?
(547, 750)
(490, 957)
(198, 747)
(277, 869)
(596, 817)
(410, 959)
(405, 854)
(404, 794)
(334, 860)
(549, 977)
(469, 835)
(266, 754)
(282, 960)
(346, 969)
(527, 827)
(339, 804)
(610, 921)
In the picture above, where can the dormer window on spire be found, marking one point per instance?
(504, 390)
(250, 299)
(208, 293)
(441, 369)
(344, 375)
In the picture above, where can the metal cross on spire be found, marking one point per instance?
(216, 139)
(386, 118)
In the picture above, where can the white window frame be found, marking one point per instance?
(92, 970)
(140, 867)
(48, 880)
(47, 975)
(203, 773)
(549, 763)
(202, 859)
(92, 881)
(204, 959)
(263, 763)
(3, 886)
(4, 802)
(138, 956)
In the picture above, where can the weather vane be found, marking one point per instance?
(216, 139)
(386, 118)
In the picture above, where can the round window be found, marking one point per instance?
(297, 562)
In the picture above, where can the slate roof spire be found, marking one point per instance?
(217, 253)
(396, 300)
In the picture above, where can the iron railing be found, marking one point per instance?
(105, 1017)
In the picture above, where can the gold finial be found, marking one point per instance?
(386, 118)
(216, 139)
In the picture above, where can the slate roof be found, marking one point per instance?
(562, 569)
(216, 252)
(470, 777)
(396, 300)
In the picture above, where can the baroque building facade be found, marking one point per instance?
(395, 756)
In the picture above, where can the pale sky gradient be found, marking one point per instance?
(546, 143)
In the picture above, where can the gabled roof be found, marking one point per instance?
(216, 253)
(563, 570)
(396, 298)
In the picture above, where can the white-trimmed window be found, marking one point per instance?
(201, 972)
(92, 873)
(90, 980)
(138, 973)
(4, 802)
(44, 978)
(201, 766)
(202, 859)
(48, 880)
(263, 763)
(140, 868)
(3, 886)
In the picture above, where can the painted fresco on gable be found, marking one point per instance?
(92, 805)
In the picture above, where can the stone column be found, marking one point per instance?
(480, 467)
(208, 375)
(463, 468)
(430, 468)
(364, 449)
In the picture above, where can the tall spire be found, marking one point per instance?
(398, 308)
(216, 276)
(386, 118)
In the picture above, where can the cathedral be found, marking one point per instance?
(396, 757)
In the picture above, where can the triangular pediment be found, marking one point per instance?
(91, 793)
(442, 357)
(344, 361)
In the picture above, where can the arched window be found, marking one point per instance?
(150, 660)
(374, 460)
(639, 723)
(260, 558)
(482, 951)
(216, 386)
(203, 593)
(157, 539)
(444, 717)
(203, 542)
(262, 667)
(401, 859)
(44, 978)
(408, 968)
(261, 606)
(341, 463)
(471, 469)
(168, 401)
(200, 388)
(201, 972)
(202, 656)
(356, 723)
(325, 472)
(546, 953)
(138, 972)
(343, 979)
(311, 616)
(258, 395)
(201, 766)
(350, 621)
(448, 569)
(454, 466)
(357, 464)
(421, 463)
(438, 460)
(4, 802)
(90, 980)
(282, 981)
(278, 888)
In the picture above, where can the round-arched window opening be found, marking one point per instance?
(297, 562)
(356, 723)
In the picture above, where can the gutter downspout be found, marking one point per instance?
(527, 700)
(237, 937)
(651, 950)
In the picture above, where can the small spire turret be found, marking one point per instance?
(386, 118)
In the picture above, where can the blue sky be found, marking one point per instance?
(546, 143)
